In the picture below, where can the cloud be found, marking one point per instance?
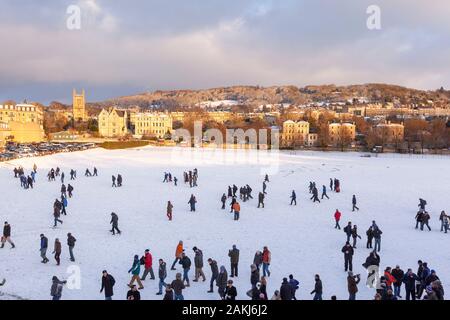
(195, 44)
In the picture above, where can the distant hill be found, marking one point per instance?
(256, 95)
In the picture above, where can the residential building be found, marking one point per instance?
(24, 121)
(112, 123)
(295, 133)
(390, 133)
(341, 134)
(151, 124)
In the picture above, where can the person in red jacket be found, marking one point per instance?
(389, 278)
(337, 217)
(267, 257)
(148, 263)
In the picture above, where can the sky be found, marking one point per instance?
(129, 47)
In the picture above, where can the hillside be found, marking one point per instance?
(256, 95)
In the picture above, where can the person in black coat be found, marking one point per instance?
(285, 290)
(409, 279)
(133, 294)
(369, 234)
(215, 273)
(224, 200)
(254, 278)
(318, 288)
(108, 282)
(398, 274)
(348, 252)
(230, 291)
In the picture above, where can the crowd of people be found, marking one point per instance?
(425, 283)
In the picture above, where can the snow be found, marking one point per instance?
(302, 239)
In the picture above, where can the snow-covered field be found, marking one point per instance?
(302, 239)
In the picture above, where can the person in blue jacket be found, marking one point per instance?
(294, 284)
(43, 248)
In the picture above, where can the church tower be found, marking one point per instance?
(79, 106)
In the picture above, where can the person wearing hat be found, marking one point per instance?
(108, 282)
(148, 264)
(133, 294)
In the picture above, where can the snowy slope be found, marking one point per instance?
(302, 239)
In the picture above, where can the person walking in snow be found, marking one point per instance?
(294, 285)
(419, 218)
(148, 265)
(222, 280)
(348, 252)
(442, 219)
(267, 258)
(337, 218)
(261, 199)
(186, 264)
(237, 209)
(293, 198)
(57, 213)
(43, 248)
(422, 204)
(162, 275)
(355, 235)
(318, 289)
(63, 190)
(234, 260)
(119, 180)
(177, 285)
(178, 253)
(7, 236)
(57, 251)
(62, 177)
(175, 181)
(315, 196)
(264, 187)
(64, 204)
(115, 223)
(348, 231)
(56, 288)
(95, 172)
(377, 236)
(258, 259)
(370, 235)
(214, 274)
(114, 185)
(70, 190)
(285, 290)
(224, 200)
(192, 201)
(331, 184)
(71, 244)
(354, 203)
(324, 192)
(198, 264)
(135, 270)
(230, 192)
(425, 221)
(266, 178)
(108, 283)
(169, 210)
